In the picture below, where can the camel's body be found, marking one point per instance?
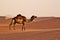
(20, 20)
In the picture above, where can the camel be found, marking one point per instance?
(19, 19)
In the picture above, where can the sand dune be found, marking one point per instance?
(35, 35)
(40, 29)
(38, 24)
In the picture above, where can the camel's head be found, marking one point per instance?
(33, 17)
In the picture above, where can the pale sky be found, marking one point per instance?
(30, 7)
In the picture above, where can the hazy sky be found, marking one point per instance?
(30, 7)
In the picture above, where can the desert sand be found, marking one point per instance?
(31, 35)
(40, 29)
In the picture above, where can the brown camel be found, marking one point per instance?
(19, 19)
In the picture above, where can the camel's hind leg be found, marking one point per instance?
(10, 27)
(12, 24)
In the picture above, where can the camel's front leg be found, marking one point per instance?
(23, 26)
